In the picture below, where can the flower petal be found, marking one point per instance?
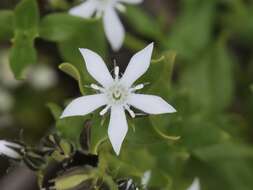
(117, 127)
(84, 10)
(131, 1)
(150, 104)
(137, 66)
(84, 105)
(195, 185)
(114, 29)
(6, 149)
(96, 67)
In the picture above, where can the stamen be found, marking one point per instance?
(138, 87)
(96, 87)
(121, 7)
(132, 114)
(103, 112)
(116, 72)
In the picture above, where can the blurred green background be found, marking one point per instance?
(209, 83)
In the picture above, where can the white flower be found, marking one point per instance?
(146, 179)
(195, 185)
(9, 149)
(117, 94)
(113, 27)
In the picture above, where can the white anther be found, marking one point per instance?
(137, 87)
(132, 114)
(103, 112)
(116, 72)
(121, 7)
(96, 87)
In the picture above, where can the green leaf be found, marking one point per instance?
(55, 110)
(142, 22)
(192, 30)
(228, 161)
(60, 27)
(23, 52)
(224, 151)
(73, 72)
(71, 127)
(6, 24)
(98, 133)
(209, 81)
(73, 33)
(161, 86)
(27, 17)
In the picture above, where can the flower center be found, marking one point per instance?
(117, 94)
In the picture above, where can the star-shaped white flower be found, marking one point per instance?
(195, 185)
(117, 94)
(9, 149)
(113, 27)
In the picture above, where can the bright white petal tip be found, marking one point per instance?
(150, 104)
(195, 185)
(84, 105)
(138, 65)
(117, 128)
(96, 67)
(8, 149)
(85, 10)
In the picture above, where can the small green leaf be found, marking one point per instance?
(60, 27)
(6, 24)
(98, 134)
(55, 110)
(27, 17)
(73, 72)
(73, 33)
(23, 52)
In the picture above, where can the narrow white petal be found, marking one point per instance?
(85, 10)
(137, 66)
(5, 149)
(114, 29)
(84, 105)
(131, 1)
(117, 127)
(96, 67)
(150, 104)
(195, 185)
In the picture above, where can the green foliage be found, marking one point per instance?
(23, 53)
(6, 31)
(209, 84)
(72, 33)
(73, 72)
(192, 31)
(143, 23)
(209, 81)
